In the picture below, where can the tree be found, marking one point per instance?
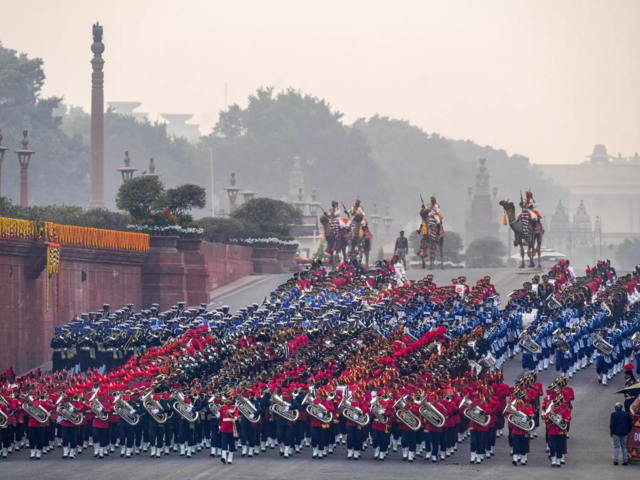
(272, 217)
(486, 252)
(58, 172)
(380, 254)
(628, 253)
(184, 198)
(259, 144)
(453, 245)
(224, 230)
(139, 196)
(320, 252)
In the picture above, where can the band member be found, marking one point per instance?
(37, 429)
(408, 435)
(432, 434)
(557, 424)
(318, 440)
(228, 430)
(101, 427)
(69, 434)
(354, 431)
(382, 406)
(520, 437)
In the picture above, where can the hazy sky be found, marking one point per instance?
(544, 78)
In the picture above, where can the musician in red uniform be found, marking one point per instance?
(408, 435)
(228, 418)
(69, 433)
(380, 432)
(354, 430)
(432, 434)
(36, 429)
(478, 428)
(557, 421)
(318, 426)
(100, 426)
(520, 437)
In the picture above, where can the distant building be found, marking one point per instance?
(127, 108)
(179, 127)
(482, 211)
(608, 187)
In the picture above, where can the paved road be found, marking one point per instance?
(590, 448)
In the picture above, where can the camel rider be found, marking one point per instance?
(434, 211)
(356, 209)
(530, 206)
(334, 217)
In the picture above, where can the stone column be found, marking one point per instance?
(96, 194)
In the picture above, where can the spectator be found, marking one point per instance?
(401, 248)
(619, 427)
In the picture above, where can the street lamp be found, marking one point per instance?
(248, 195)
(2, 151)
(151, 172)
(386, 222)
(127, 171)
(24, 157)
(300, 204)
(313, 205)
(232, 193)
(375, 218)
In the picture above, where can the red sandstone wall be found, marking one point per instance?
(26, 326)
(226, 263)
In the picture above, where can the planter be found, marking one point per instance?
(168, 243)
(287, 258)
(265, 260)
(189, 244)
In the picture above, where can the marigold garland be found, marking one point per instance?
(53, 266)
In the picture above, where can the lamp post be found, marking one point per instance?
(127, 171)
(2, 152)
(313, 205)
(248, 195)
(151, 171)
(300, 204)
(24, 156)
(232, 193)
(386, 222)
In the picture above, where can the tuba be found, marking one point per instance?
(528, 343)
(517, 418)
(150, 405)
(601, 344)
(181, 407)
(315, 410)
(406, 416)
(552, 302)
(560, 342)
(96, 405)
(378, 410)
(64, 410)
(214, 407)
(476, 367)
(553, 417)
(431, 414)
(473, 415)
(38, 413)
(350, 412)
(247, 409)
(278, 406)
(635, 340)
(4, 419)
(123, 409)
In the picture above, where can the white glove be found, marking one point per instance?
(155, 411)
(380, 411)
(478, 411)
(251, 417)
(321, 415)
(286, 409)
(100, 409)
(374, 394)
(72, 409)
(218, 415)
(189, 409)
(59, 420)
(133, 411)
(558, 421)
(356, 416)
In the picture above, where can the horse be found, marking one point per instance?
(527, 233)
(336, 241)
(432, 239)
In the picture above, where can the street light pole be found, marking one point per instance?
(2, 152)
(24, 157)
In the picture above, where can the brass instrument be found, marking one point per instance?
(97, 408)
(375, 409)
(64, 410)
(555, 418)
(278, 406)
(182, 408)
(560, 342)
(517, 418)
(354, 414)
(552, 302)
(150, 405)
(214, 407)
(476, 367)
(488, 361)
(431, 414)
(601, 344)
(315, 410)
(528, 343)
(473, 415)
(406, 416)
(123, 409)
(4, 419)
(635, 340)
(247, 409)
(38, 413)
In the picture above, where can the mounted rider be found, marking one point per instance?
(433, 212)
(529, 204)
(356, 210)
